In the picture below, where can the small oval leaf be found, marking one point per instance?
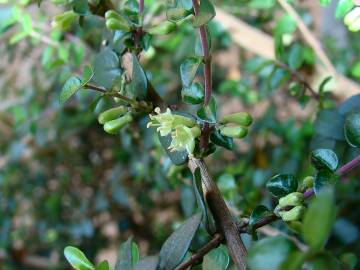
(324, 159)
(352, 129)
(282, 184)
(77, 259)
(71, 86)
(175, 247)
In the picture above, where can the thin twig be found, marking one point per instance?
(299, 78)
(197, 257)
(207, 57)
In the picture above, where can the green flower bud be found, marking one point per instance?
(308, 181)
(292, 199)
(114, 126)
(241, 118)
(111, 114)
(114, 24)
(352, 16)
(163, 28)
(293, 214)
(64, 20)
(234, 132)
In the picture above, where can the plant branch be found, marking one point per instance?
(299, 78)
(348, 166)
(224, 221)
(207, 57)
(197, 257)
(130, 101)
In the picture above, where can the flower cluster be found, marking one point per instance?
(183, 130)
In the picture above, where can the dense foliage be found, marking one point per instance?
(111, 107)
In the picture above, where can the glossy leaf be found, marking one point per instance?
(77, 259)
(352, 129)
(324, 159)
(269, 253)
(319, 219)
(188, 70)
(128, 256)
(139, 80)
(216, 259)
(282, 184)
(106, 68)
(206, 13)
(296, 57)
(208, 113)
(193, 94)
(217, 138)
(71, 86)
(175, 247)
(258, 214)
(179, 10)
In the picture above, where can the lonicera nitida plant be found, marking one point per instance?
(306, 207)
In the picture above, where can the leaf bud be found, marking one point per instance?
(292, 214)
(234, 132)
(241, 118)
(111, 114)
(292, 199)
(114, 126)
(308, 181)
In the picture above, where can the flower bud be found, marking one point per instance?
(163, 28)
(292, 199)
(64, 20)
(292, 214)
(114, 126)
(241, 118)
(111, 114)
(308, 181)
(234, 132)
(114, 24)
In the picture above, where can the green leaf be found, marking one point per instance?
(216, 259)
(139, 80)
(71, 86)
(87, 75)
(323, 179)
(324, 159)
(279, 77)
(352, 129)
(259, 213)
(81, 7)
(294, 261)
(296, 57)
(128, 256)
(188, 70)
(148, 263)
(179, 10)
(319, 219)
(329, 123)
(176, 157)
(207, 217)
(193, 94)
(163, 28)
(208, 113)
(324, 261)
(343, 7)
(206, 13)
(269, 253)
(355, 70)
(285, 25)
(175, 247)
(77, 259)
(106, 68)
(282, 184)
(104, 265)
(217, 138)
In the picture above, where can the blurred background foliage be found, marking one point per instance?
(64, 181)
